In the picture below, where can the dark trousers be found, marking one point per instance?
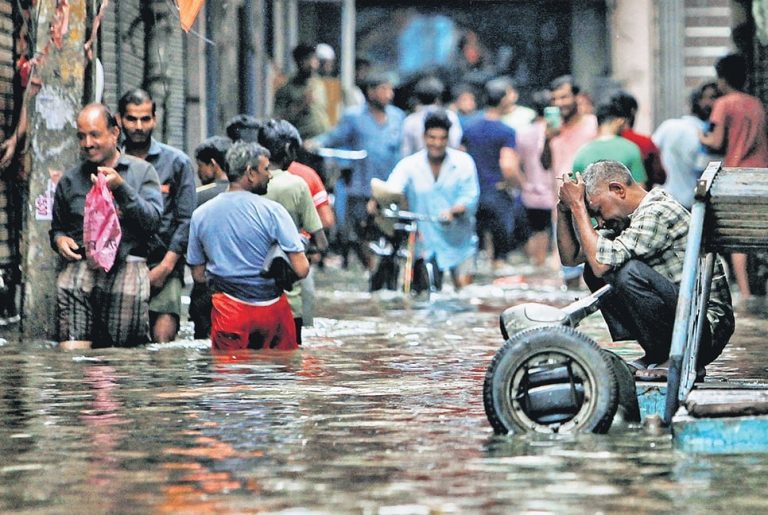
(503, 215)
(642, 307)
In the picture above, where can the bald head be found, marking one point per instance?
(97, 133)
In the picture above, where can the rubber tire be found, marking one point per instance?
(599, 405)
(629, 408)
(385, 275)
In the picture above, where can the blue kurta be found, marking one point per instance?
(457, 183)
(359, 130)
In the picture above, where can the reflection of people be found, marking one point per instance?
(228, 242)
(441, 183)
(177, 184)
(638, 248)
(739, 128)
(97, 307)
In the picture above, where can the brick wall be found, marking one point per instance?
(6, 68)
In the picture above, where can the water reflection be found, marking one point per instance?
(380, 412)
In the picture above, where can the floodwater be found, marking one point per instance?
(380, 412)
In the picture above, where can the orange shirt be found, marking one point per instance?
(743, 118)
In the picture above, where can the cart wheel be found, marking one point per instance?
(550, 379)
(629, 408)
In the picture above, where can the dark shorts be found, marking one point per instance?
(108, 309)
(539, 220)
(240, 325)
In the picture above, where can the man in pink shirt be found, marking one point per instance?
(574, 130)
(738, 128)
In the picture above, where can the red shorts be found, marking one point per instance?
(239, 325)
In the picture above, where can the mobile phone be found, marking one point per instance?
(552, 117)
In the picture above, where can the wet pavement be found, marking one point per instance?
(380, 412)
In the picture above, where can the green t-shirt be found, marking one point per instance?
(293, 194)
(615, 148)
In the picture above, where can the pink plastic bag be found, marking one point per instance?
(101, 227)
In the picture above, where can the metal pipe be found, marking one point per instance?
(347, 63)
(683, 311)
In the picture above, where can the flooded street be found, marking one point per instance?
(381, 411)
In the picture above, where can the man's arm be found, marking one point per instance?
(61, 242)
(572, 196)
(142, 207)
(468, 189)
(715, 138)
(198, 274)
(509, 161)
(326, 215)
(299, 263)
(320, 239)
(568, 246)
(186, 200)
(9, 146)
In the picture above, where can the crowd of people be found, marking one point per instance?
(488, 174)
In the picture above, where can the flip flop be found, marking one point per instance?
(636, 365)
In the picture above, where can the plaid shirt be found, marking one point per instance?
(657, 235)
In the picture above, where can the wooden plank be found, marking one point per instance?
(722, 403)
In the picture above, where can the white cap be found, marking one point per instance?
(325, 52)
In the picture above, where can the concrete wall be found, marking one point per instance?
(632, 54)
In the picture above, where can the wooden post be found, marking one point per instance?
(53, 149)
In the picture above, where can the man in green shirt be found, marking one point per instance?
(283, 140)
(610, 146)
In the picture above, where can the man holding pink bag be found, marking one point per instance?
(96, 307)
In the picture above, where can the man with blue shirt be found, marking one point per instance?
(682, 154)
(441, 182)
(377, 128)
(177, 184)
(229, 239)
(491, 143)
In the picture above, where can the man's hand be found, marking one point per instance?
(7, 150)
(158, 275)
(68, 248)
(114, 179)
(572, 193)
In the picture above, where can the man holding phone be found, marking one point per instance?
(98, 308)
(566, 134)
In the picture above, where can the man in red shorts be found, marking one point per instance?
(229, 239)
